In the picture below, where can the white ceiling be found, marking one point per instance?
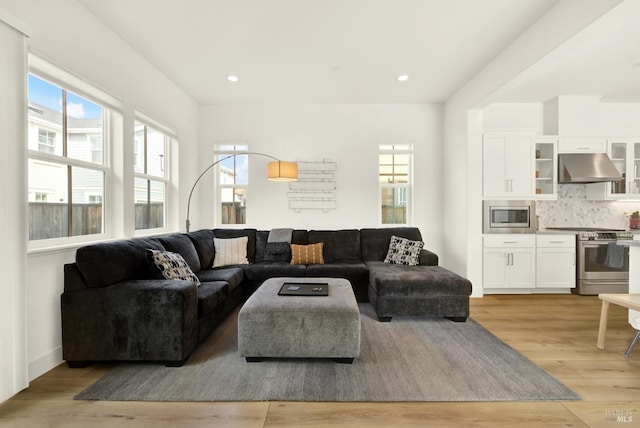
(602, 60)
(340, 51)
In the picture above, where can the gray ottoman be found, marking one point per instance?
(271, 326)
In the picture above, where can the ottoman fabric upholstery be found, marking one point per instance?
(270, 325)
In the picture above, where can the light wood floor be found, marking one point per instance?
(558, 332)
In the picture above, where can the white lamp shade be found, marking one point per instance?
(282, 171)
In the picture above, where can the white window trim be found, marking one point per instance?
(169, 135)
(409, 186)
(217, 155)
(76, 85)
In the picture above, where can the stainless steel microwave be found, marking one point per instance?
(509, 217)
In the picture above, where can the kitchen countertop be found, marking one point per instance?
(556, 232)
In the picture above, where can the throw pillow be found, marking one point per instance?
(232, 251)
(173, 266)
(403, 251)
(307, 254)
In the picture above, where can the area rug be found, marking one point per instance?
(408, 359)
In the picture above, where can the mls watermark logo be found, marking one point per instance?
(618, 415)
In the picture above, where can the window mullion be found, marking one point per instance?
(64, 123)
(70, 200)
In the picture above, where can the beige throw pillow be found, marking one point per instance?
(230, 251)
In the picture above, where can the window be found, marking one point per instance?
(394, 166)
(151, 182)
(65, 131)
(232, 182)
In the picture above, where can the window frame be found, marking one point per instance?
(165, 179)
(403, 149)
(69, 83)
(221, 150)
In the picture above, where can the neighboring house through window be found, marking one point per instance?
(395, 180)
(65, 135)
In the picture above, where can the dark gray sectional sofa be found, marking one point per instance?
(116, 305)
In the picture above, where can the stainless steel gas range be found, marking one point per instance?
(601, 265)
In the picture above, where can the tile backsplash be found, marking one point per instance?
(572, 209)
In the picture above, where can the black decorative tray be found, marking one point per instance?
(304, 289)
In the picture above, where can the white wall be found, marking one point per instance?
(71, 38)
(13, 226)
(348, 134)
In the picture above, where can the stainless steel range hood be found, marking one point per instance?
(586, 168)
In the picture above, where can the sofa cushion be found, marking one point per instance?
(375, 242)
(404, 251)
(107, 263)
(210, 296)
(307, 254)
(203, 243)
(270, 253)
(356, 273)
(172, 266)
(339, 245)
(259, 272)
(415, 281)
(237, 233)
(232, 275)
(181, 243)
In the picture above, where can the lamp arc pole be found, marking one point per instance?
(207, 169)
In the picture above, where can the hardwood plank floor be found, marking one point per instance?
(557, 332)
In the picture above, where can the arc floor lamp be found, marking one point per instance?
(277, 170)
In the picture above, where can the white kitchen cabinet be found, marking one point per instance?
(625, 155)
(508, 166)
(555, 261)
(582, 145)
(509, 261)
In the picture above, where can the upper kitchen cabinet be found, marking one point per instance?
(582, 145)
(508, 165)
(625, 155)
(546, 167)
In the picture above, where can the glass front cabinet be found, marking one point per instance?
(546, 167)
(625, 154)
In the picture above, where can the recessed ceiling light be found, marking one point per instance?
(232, 78)
(402, 78)
(336, 69)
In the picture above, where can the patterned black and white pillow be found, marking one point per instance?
(173, 266)
(403, 251)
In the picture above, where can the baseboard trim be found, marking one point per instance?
(44, 363)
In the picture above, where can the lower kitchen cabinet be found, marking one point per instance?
(509, 261)
(555, 261)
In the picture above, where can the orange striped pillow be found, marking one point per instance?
(307, 254)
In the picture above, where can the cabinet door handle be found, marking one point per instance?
(583, 148)
(509, 242)
(556, 242)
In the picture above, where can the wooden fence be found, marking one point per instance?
(51, 220)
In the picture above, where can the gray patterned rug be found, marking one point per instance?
(408, 359)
